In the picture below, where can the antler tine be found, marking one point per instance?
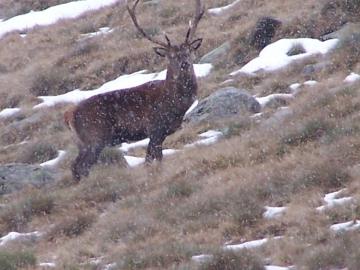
(136, 23)
(167, 39)
(198, 15)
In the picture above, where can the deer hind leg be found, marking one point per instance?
(86, 158)
(154, 150)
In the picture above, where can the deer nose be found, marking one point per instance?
(185, 65)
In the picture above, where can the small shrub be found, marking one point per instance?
(158, 255)
(169, 12)
(234, 260)
(152, 31)
(328, 175)
(311, 130)
(73, 225)
(129, 231)
(10, 100)
(37, 152)
(342, 251)
(112, 156)
(297, 49)
(84, 48)
(246, 209)
(236, 127)
(52, 81)
(108, 189)
(16, 216)
(180, 188)
(220, 162)
(17, 259)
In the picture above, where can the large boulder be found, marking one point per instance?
(223, 103)
(263, 32)
(15, 176)
(349, 33)
(310, 69)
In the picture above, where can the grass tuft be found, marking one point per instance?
(180, 188)
(37, 152)
(15, 216)
(311, 130)
(52, 81)
(234, 260)
(73, 225)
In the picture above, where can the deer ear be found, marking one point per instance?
(161, 51)
(196, 44)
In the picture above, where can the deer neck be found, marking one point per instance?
(182, 85)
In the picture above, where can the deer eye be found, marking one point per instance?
(185, 65)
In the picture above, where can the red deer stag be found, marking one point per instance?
(153, 110)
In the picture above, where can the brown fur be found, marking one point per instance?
(68, 118)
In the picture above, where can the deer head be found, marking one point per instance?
(180, 67)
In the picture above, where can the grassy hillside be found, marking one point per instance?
(198, 200)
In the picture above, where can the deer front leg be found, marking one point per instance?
(154, 150)
(86, 158)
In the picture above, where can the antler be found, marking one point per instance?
(147, 36)
(192, 28)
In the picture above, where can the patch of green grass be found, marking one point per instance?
(12, 260)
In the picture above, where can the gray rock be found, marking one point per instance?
(15, 176)
(263, 32)
(278, 116)
(216, 53)
(152, 3)
(311, 69)
(223, 103)
(349, 33)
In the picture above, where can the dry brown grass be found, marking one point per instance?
(159, 217)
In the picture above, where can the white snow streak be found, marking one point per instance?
(15, 235)
(51, 15)
(275, 55)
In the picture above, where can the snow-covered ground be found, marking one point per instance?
(51, 15)
(275, 55)
(272, 57)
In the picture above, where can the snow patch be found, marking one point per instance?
(54, 161)
(15, 235)
(275, 55)
(330, 200)
(217, 11)
(8, 112)
(352, 78)
(51, 15)
(272, 212)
